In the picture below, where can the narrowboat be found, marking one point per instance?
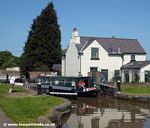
(67, 86)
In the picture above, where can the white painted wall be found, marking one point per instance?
(127, 58)
(17, 69)
(63, 66)
(110, 62)
(106, 62)
(142, 73)
(72, 60)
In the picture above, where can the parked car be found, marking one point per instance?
(20, 81)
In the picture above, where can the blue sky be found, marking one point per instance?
(102, 18)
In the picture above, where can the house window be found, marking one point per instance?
(133, 57)
(93, 70)
(117, 73)
(105, 73)
(94, 54)
(147, 76)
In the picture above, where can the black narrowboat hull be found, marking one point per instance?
(67, 92)
(90, 93)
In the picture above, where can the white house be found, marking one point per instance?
(90, 54)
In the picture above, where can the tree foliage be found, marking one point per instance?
(42, 48)
(8, 60)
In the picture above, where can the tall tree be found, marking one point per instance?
(42, 48)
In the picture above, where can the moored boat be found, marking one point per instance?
(67, 86)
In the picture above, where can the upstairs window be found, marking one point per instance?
(94, 54)
(132, 57)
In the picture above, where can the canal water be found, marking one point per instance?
(107, 112)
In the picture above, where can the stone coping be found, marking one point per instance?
(133, 97)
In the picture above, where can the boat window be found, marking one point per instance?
(64, 82)
(51, 83)
(73, 83)
(57, 82)
(38, 80)
(43, 80)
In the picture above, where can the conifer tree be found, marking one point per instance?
(42, 48)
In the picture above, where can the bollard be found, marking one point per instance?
(118, 83)
(39, 89)
(118, 86)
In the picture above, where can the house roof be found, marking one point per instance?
(56, 67)
(64, 52)
(113, 45)
(135, 65)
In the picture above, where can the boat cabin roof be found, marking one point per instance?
(63, 78)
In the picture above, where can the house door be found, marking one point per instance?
(126, 76)
(93, 70)
(147, 76)
(105, 73)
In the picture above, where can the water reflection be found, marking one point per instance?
(106, 112)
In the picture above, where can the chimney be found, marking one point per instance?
(75, 36)
(119, 50)
(75, 32)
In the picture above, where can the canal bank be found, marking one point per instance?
(53, 119)
(132, 97)
(25, 106)
(134, 92)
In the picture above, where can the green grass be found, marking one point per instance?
(5, 87)
(136, 89)
(26, 109)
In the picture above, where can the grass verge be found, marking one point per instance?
(136, 89)
(5, 87)
(26, 109)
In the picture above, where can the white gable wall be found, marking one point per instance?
(72, 60)
(63, 66)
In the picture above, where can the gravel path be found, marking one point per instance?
(5, 121)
